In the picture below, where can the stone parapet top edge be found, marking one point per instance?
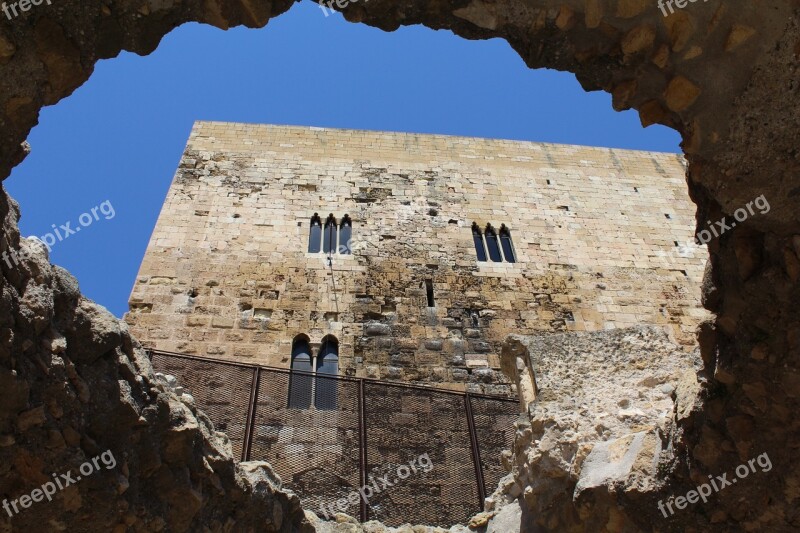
(201, 125)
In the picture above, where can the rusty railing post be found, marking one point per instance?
(476, 454)
(362, 448)
(250, 424)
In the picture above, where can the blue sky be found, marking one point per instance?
(118, 138)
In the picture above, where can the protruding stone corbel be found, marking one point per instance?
(516, 364)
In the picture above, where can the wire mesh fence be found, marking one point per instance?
(329, 436)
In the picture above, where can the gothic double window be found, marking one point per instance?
(312, 380)
(330, 237)
(498, 244)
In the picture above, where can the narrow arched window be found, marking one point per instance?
(345, 236)
(315, 235)
(329, 235)
(327, 393)
(508, 246)
(477, 238)
(492, 244)
(300, 384)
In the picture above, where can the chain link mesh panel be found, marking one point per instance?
(221, 391)
(419, 460)
(494, 426)
(403, 424)
(314, 450)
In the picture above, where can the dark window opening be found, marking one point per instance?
(429, 292)
(314, 234)
(508, 246)
(345, 236)
(477, 238)
(326, 396)
(300, 385)
(329, 235)
(492, 244)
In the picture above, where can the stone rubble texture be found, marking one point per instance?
(343, 523)
(506, 520)
(601, 424)
(589, 227)
(723, 74)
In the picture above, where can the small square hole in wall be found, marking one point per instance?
(262, 314)
(667, 215)
(266, 294)
(636, 189)
(548, 182)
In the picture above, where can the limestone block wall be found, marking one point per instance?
(600, 237)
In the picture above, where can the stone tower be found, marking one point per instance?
(410, 257)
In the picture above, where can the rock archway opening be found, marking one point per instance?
(709, 71)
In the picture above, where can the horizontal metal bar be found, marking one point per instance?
(335, 377)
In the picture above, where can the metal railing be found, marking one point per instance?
(353, 431)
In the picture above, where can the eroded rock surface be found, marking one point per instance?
(343, 523)
(606, 427)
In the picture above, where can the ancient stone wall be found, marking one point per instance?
(600, 238)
